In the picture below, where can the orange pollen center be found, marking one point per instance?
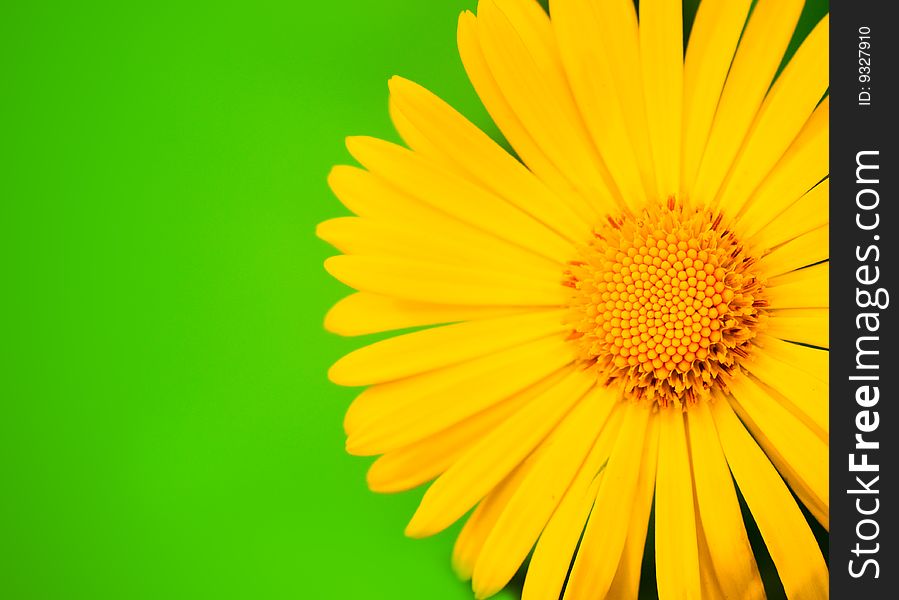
(665, 303)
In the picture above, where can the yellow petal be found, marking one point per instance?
(504, 116)
(710, 586)
(519, 368)
(422, 461)
(603, 542)
(362, 313)
(713, 40)
(529, 509)
(786, 109)
(807, 213)
(806, 288)
(372, 198)
(783, 527)
(455, 141)
(803, 325)
(494, 457)
(760, 52)
(807, 249)
(520, 50)
(413, 133)
(552, 555)
(369, 196)
(431, 283)
(800, 169)
(617, 32)
(677, 550)
(662, 55)
(383, 401)
(731, 556)
(434, 185)
(412, 353)
(359, 236)
(588, 65)
(627, 579)
(479, 525)
(806, 397)
(812, 362)
(799, 454)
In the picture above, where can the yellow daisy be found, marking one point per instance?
(631, 318)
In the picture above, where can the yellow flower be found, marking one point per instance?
(632, 318)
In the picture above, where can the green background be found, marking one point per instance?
(167, 428)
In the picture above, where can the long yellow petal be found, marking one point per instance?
(677, 550)
(440, 188)
(806, 397)
(359, 236)
(422, 461)
(807, 213)
(523, 366)
(412, 353)
(366, 195)
(785, 111)
(719, 510)
(372, 198)
(805, 288)
(552, 555)
(369, 196)
(807, 249)
(800, 169)
(472, 54)
(799, 454)
(384, 400)
(524, 60)
(783, 527)
(803, 325)
(458, 142)
(812, 362)
(413, 133)
(708, 579)
(529, 509)
(603, 542)
(618, 33)
(760, 52)
(662, 55)
(627, 579)
(428, 282)
(713, 40)
(489, 461)
(363, 313)
(479, 525)
(587, 64)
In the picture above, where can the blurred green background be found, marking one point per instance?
(167, 429)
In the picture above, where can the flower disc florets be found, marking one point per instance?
(665, 303)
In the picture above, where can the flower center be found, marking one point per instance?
(665, 303)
